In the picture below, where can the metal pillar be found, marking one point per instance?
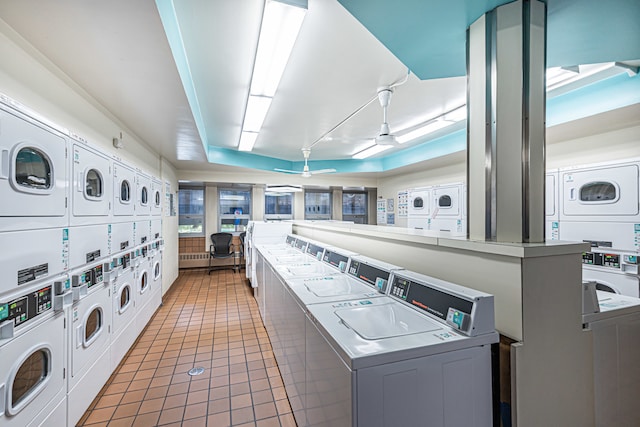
(506, 51)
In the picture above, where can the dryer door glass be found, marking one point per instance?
(157, 197)
(32, 371)
(125, 298)
(598, 192)
(93, 184)
(156, 270)
(144, 283)
(144, 197)
(92, 326)
(418, 202)
(444, 201)
(125, 191)
(33, 169)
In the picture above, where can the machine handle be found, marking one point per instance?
(78, 336)
(4, 163)
(572, 193)
(80, 181)
(2, 399)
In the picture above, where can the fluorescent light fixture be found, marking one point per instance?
(457, 115)
(247, 141)
(589, 73)
(430, 127)
(371, 151)
(283, 189)
(257, 109)
(281, 24)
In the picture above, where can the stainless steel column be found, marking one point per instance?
(506, 51)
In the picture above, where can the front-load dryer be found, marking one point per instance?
(33, 173)
(615, 272)
(90, 322)
(447, 213)
(91, 186)
(124, 192)
(601, 204)
(121, 236)
(156, 197)
(419, 202)
(551, 206)
(32, 255)
(144, 197)
(124, 296)
(421, 353)
(156, 278)
(145, 292)
(33, 354)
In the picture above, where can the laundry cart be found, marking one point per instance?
(615, 323)
(419, 356)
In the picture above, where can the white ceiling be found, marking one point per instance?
(117, 51)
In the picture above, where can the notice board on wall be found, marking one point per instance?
(381, 211)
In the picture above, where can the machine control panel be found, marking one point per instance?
(374, 276)
(315, 250)
(335, 259)
(301, 245)
(601, 259)
(452, 309)
(27, 307)
(290, 240)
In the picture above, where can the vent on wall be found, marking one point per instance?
(192, 260)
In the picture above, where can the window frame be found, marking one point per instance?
(244, 217)
(348, 216)
(318, 217)
(190, 215)
(278, 215)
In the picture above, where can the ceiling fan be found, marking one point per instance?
(306, 172)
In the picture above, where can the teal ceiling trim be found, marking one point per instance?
(599, 97)
(169, 20)
(429, 36)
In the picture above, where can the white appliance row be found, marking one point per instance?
(360, 342)
(63, 336)
(439, 208)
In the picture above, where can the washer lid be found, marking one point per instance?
(329, 286)
(385, 321)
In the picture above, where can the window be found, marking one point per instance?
(354, 207)
(278, 205)
(191, 211)
(317, 204)
(93, 184)
(235, 209)
(33, 169)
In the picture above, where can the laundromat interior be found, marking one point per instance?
(320, 213)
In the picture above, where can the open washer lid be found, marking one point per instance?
(375, 322)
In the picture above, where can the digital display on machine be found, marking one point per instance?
(4, 311)
(428, 299)
(28, 306)
(97, 274)
(611, 260)
(81, 279)
(604, 260)
(376, 277)
(335, 259)
(315, 250)
(301, 244)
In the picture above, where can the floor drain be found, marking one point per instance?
(195, 371)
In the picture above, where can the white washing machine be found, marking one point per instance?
(33, 354)
(613, 271)
(419, 208)
(601, 204)
(145, 288)
(338, 257)
(615, 324)
(124, 296)
(301, 244)
(144, 197)
(121, 236)
(90, 322)
(32, 255)
(91, 186)
(315, 250)
(448, 207)
(124, 192)
(156, 197)
(421, 353)
(156, 278)
(88, 243)
(551, 206)
(259, 232)
(33, 173)
(142, 232)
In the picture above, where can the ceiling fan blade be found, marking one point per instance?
(286, 171)
(323, 171)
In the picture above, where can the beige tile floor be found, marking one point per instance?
(209, 321)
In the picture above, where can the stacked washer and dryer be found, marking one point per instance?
(360, 342)
(83, 273)
(439, 208)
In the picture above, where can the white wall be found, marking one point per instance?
(32, 80)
